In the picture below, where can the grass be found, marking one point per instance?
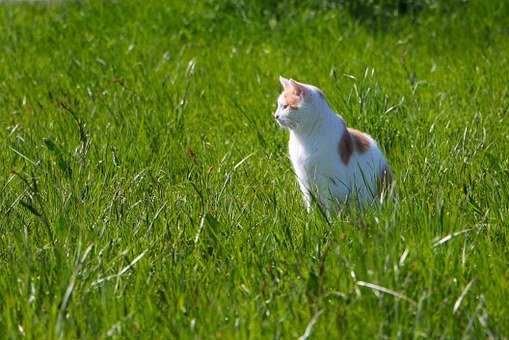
(146, 190)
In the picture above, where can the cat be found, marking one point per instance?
(334, 164)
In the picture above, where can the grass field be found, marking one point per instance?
(146, 191)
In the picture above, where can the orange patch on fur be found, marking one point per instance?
(345, 147)
(352, 140)
(292, 96)
(360, 141)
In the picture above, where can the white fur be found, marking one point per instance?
(315, 133)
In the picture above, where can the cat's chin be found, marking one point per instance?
(284, 124)
(283, 127)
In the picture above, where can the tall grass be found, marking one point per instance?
(146, 190)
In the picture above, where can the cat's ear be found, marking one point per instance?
(284, 82)
(300, 89)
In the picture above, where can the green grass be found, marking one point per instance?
(146, 191)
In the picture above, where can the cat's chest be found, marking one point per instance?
(307, 157)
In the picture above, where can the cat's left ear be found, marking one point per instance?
(301, 89)
(284, 82)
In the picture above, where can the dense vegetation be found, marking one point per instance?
(146, 190)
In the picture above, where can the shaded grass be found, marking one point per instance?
(146, 189)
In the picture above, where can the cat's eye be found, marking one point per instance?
(284, 106)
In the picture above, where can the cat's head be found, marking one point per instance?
(299, 104)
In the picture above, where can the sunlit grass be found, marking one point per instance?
(146, 190)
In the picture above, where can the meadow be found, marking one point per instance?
(146, 190)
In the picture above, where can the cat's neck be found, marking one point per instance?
(326, 125)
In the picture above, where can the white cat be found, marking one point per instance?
(333, 164)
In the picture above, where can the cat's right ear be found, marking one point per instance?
(284, 82)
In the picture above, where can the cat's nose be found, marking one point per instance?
(276, 116)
